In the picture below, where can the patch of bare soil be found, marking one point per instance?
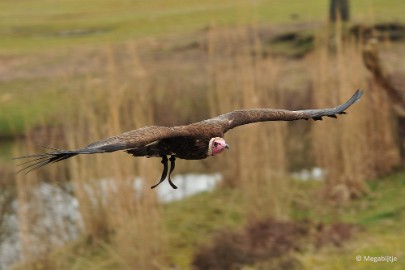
(270, 244)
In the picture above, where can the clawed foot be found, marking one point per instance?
(172, 165)
(165, 168)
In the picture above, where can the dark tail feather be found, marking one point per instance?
(37, 161)
(33, 162)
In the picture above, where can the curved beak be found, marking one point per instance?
(227, 146)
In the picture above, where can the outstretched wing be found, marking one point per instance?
(129, 140)
(137, 138)
(243, 117)
(141, 137)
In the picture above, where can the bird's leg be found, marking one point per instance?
(172, 165)
(164, 173)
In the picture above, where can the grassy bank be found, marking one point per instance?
(379, 216)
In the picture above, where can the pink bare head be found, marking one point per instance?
(217, 145)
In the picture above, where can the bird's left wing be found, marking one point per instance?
(242, 117)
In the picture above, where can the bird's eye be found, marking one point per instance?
(215, 144)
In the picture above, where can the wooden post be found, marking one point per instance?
(339, 9)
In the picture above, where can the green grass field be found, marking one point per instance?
(379, 215)
(32, 26)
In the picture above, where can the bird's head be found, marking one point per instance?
(216, 146)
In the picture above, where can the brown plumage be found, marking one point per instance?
(195, 141)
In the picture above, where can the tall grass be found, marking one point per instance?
(240, 78)
(359, 146)
(119, 215)
(127, 213)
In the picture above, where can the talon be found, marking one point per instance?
(164, 173)
(172, 165)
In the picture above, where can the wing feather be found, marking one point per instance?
(138, 138)
(247, 116)
(129, 140)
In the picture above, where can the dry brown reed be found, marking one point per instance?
(356, 148)
(128, 215)
(240, 78)
(37, 237)
(119, 215)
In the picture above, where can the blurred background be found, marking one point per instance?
(299, 195)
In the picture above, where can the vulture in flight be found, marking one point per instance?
(194, 141)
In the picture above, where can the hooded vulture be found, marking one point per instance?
(192, 142)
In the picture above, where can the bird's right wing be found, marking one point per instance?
(129, 140)
(136, 138)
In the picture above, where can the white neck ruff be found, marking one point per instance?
(209, 152)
